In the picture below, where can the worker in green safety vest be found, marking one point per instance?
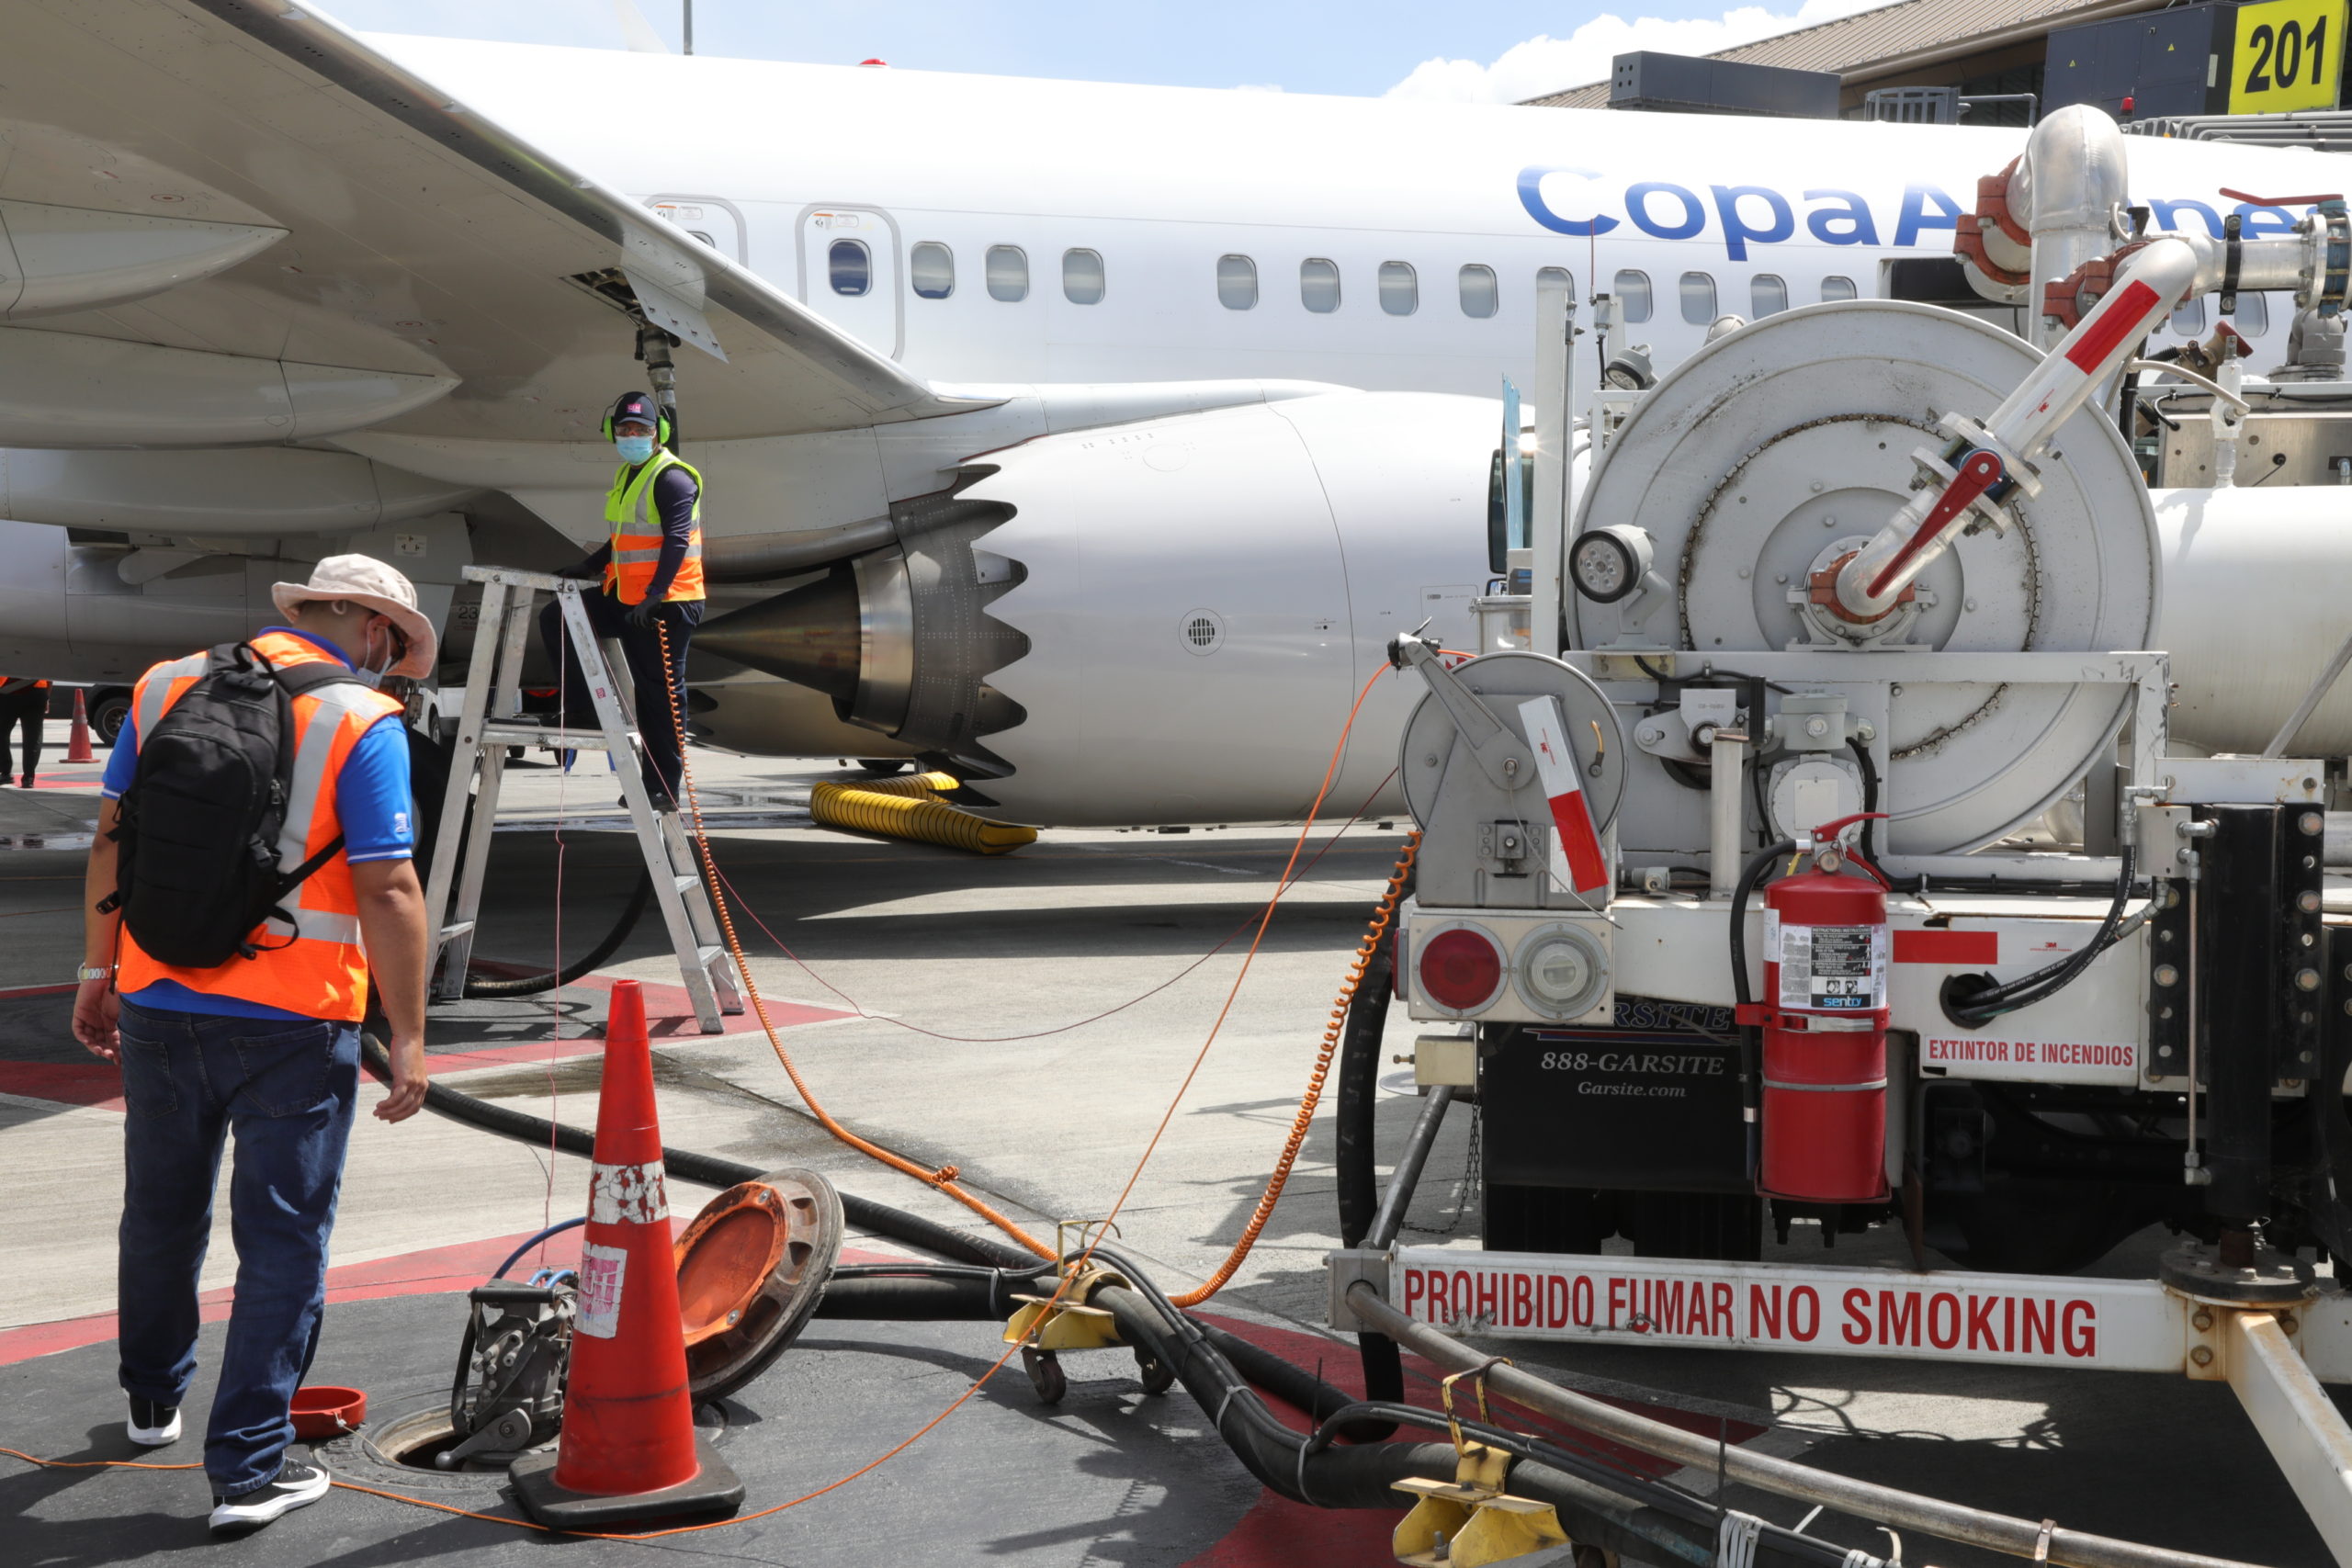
(652, 597)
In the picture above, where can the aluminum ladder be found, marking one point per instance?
(491, 726)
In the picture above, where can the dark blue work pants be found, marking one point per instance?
(660, 692)
(286, 1089)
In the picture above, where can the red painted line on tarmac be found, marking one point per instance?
(10, 993)
(98, 1085)
(432, 1270)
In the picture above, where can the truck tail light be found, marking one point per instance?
(1461, 968)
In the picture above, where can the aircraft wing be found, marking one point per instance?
(335, 220)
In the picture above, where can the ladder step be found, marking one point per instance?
(706, 956)
(461, 929)
(688, 882)
(541, 735)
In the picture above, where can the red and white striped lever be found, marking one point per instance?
(1999, 453)
(1577, 859)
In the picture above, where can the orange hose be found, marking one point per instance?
(943, 1178)
(1314, 1095)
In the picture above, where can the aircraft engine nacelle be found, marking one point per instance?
(1163, 622)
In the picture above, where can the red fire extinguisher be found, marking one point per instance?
(1825, 1032)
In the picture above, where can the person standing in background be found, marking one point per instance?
(23, 701)
(652, 594)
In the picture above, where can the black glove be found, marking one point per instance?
(643, 614)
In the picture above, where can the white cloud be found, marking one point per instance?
(1544, 65)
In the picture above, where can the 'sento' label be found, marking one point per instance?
(1833, 968)
(601, 1271)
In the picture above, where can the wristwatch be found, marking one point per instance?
(94, 972)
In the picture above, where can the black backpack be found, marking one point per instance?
(197, 864)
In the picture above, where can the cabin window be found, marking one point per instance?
(932, 269)
(850, 266)
(2189, 319)
(1401, 290)
(2253, 317)
(1766, 295)
(1633, 294)
(1318, 284)
(1560, 275)
(1237, 283)
(1837, 288)
(1008, 269)
(1480, 296)
(1082, 277)
(1698, 290)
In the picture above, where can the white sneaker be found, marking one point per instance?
(152, 1424)
(296, 1486)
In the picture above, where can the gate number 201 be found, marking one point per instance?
(2279, 56)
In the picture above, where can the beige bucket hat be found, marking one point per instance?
(364, 580)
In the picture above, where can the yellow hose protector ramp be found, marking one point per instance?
(906, 815)
(919, 785)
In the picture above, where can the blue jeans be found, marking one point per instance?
(288, 1090)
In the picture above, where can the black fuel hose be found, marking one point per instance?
(706, 1170)
(1869, 766)
(1604, 1507)
(1973, 1001)
(533, 984)
(1358, 1093)
(1592, 1509)
(1751, 1044)
(923, 1292)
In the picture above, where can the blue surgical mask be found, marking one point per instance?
(634, 448)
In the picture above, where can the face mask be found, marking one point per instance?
(634, 448)
(364, 670)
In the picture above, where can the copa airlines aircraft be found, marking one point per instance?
(1043, 423)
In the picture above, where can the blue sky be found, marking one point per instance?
(1491, 49)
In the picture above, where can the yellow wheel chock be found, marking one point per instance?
(1471, 1521)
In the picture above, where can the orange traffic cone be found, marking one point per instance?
(628, 1450)
(78, 744)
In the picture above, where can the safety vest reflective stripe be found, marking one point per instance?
(161, 686)
(317, 965)
(693, 552)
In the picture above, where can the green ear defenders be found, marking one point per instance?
(639, 406)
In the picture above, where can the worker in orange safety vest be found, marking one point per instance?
(264, 1043)
(651, 601)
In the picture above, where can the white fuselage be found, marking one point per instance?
(1123, 270)
(778, 163)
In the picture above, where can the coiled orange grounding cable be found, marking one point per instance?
(943, 1178)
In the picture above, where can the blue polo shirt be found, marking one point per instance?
(372, 803)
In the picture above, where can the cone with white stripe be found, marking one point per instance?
(628, 1450)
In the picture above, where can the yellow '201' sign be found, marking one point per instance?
(2289, 55)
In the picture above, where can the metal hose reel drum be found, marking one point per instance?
(1767, 457)
(1487, 844)
(752, 1268)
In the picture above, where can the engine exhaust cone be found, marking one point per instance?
(810, 636)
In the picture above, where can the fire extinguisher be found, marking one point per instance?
(1825, 1014)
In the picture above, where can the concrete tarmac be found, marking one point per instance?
(1028, 1020)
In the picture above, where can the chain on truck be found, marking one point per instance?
(1824, 840)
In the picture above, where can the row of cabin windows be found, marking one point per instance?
(1395, 284)
(2252, 318)
(932, 271)
(932, 266)
(1768, 295)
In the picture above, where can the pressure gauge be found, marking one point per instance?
(1562, 970)
(1609, 563)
